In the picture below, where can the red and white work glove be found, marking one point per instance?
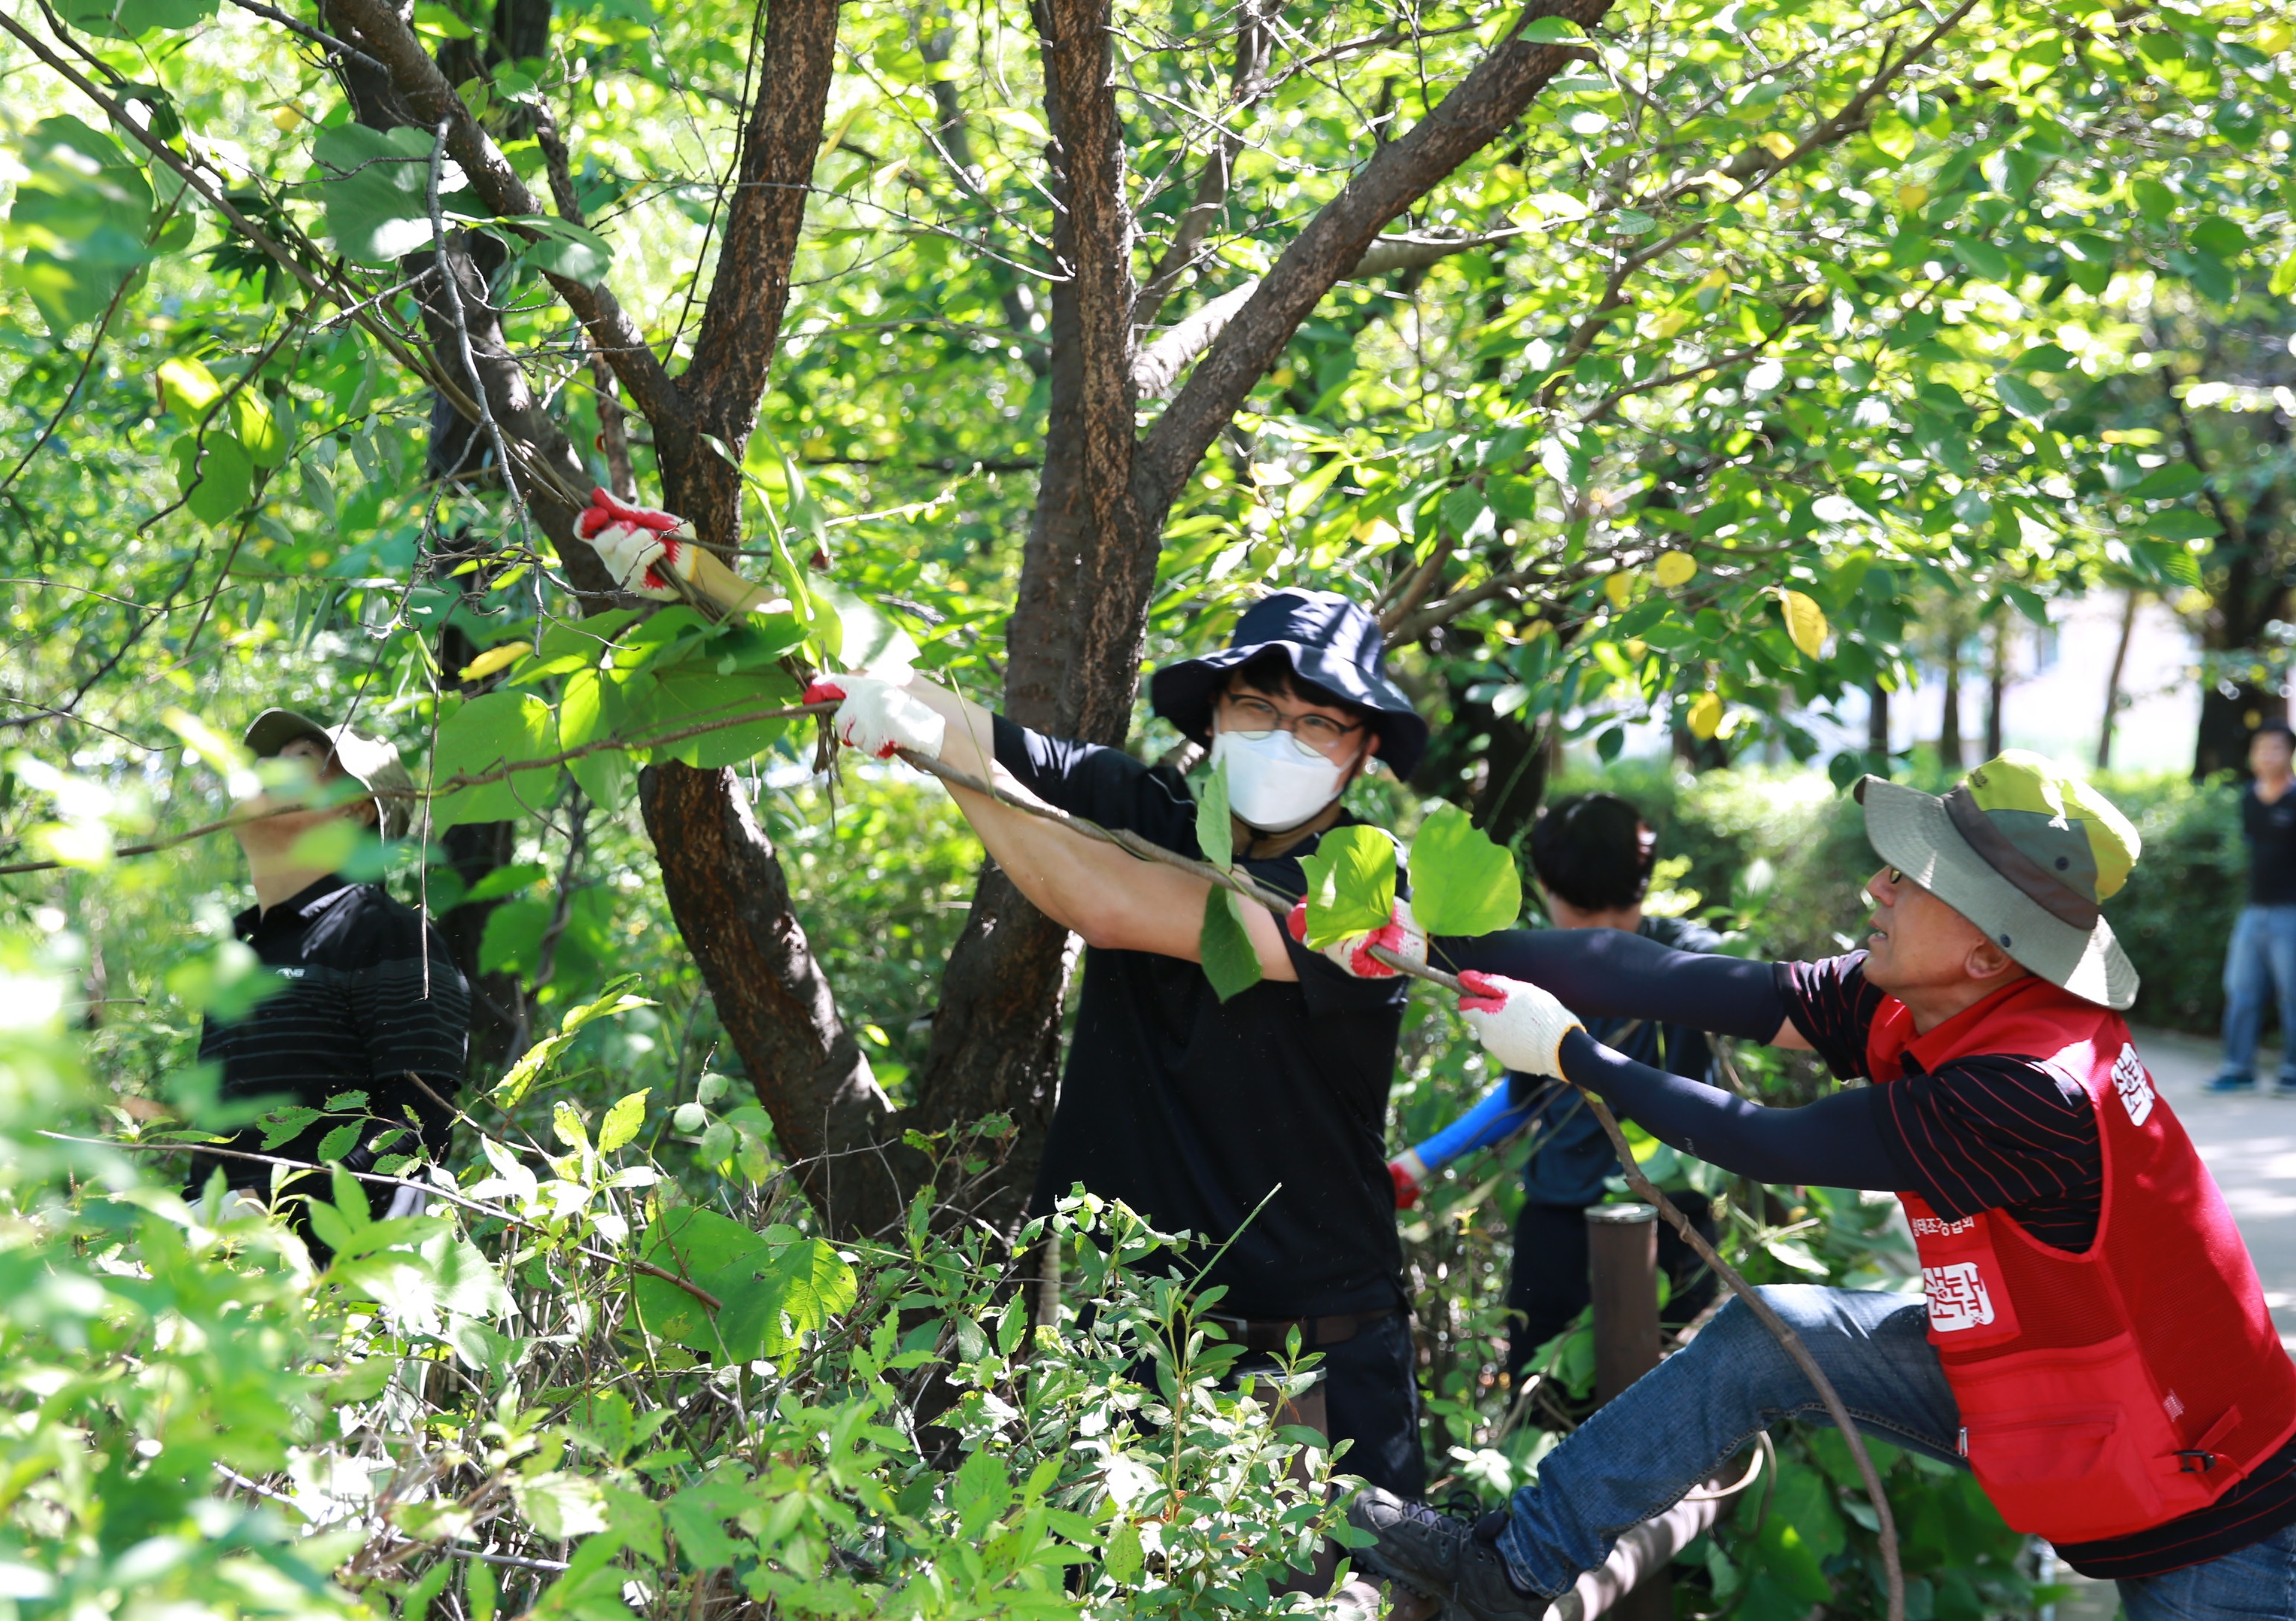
(1408, 1173)
(879, 715)
(641, 549)
(1400, 935)
(1518, 1023)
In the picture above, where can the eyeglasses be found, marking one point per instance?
(1255, 718)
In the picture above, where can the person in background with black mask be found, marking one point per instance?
(1260, 1123)
(1593, 855)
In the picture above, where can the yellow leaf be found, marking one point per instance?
(1377, 532)
(1676, 569)
(1913, 195)
(188, 388)
(1777, 143)
(1619, 586)
(1714, 281)
(494, 658)
(1705, 715)
(2276, 37)
(1806, 623)
(1666, 324)
(258, 428)
(286, 118)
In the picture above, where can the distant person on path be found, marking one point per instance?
(2261, 959)
(1593, 856)
(370, 998)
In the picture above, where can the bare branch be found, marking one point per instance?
(1477, 109)
(1254, 39)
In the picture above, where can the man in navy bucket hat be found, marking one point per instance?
(1258, 1123)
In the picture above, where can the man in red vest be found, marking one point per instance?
(2093, 1344)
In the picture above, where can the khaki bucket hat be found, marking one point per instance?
(2026, 853)
(369, 761)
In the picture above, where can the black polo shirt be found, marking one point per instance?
(354, 1014)
(2271, 832)
(1194, 1111)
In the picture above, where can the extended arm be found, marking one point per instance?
(1835, 1142)
(1611, 973)
(1494, 1120)
(1116, 901)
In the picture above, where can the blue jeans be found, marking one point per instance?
(1679, 1424)
(2260, 961)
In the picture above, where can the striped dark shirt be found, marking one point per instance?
(2001, 1132)
(354, 1014)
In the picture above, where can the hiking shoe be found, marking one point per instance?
(1439, 1557)
(2229, 1083)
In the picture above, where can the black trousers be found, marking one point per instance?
(1549, 1285)
(1371, 1395)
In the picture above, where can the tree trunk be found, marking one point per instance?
(1949, 724)
(2112, 682)
(1877, 727)
(732, 901)
(1997, 685)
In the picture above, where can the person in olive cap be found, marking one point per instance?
(1196, 1112)
(2092, 1342)
(369, 1002)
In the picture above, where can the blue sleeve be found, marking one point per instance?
(1611, 973)
(1494, 1119)
(1835, 1142)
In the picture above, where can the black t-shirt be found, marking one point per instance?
(2271, 831)
(1194, 1111)
(2000, 1131)
(354, 1015)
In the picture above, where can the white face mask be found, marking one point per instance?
(1276, 781)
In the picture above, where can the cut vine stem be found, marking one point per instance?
(1244, 885)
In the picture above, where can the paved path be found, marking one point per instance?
(2249, 1145)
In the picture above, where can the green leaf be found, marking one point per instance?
(611, 1002)
(562, 248)
(489, 735)
(1983, 260)
(132, 19)
(1461, 882)
(1123, 1558)
(2219, 236)
(588, 707)
(692, 1243)
(374, 186)
(2022, 397)
(774, 1300)
(2172, 482)
(622, 1122)
(216, 482)
(2182, 523)
(1350, 884)
(1231, 962)
(1215, 828)
(1554, 30)
(260, 432)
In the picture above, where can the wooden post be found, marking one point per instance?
(1622, 1254)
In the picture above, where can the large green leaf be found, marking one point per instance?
(1215, 828)
(375, 185)
(1461, 882)
(132, 19)
(774, 1296)
(486, 736)
(1350, 884)
(692, 694)
(695, 1244)
(1231, 962)
(79, 220)
(215, 476)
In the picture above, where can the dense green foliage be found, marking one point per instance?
(1768, 323)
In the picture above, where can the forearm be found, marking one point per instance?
(1494, 1120)
(1611, 973)
(969, 743)
(1835, 1142)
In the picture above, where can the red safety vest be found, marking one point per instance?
(2112, 1391)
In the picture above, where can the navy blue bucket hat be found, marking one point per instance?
(1334, 647)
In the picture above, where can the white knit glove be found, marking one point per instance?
(1401, 935)
(878, 715)
(1518, 1023)
(638, 544)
